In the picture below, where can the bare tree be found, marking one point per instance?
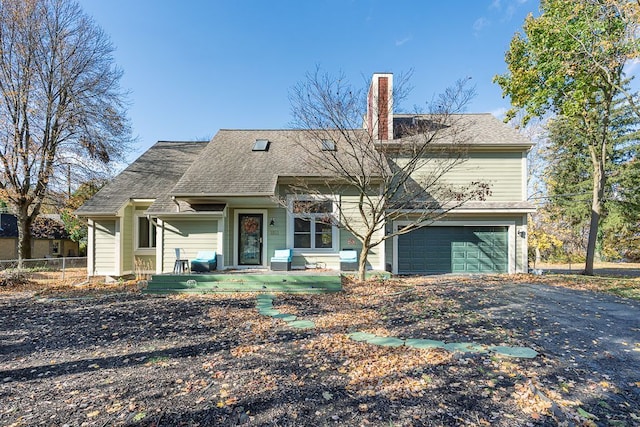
(395, 166)
(60, 102)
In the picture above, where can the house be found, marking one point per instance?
(219, 195)
(48, 238)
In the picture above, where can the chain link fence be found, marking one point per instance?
(49, 271)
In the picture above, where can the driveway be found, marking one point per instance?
(595, 333)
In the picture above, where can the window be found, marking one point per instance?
(328, 145)
(313, 224)
(261, 145)
(146, 233)
(54, 245)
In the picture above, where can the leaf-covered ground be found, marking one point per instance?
(111, 356)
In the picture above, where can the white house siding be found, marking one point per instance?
(105, 247)
(190, 236)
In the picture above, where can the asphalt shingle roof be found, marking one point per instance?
(151, 176)
(477, 129)
(43, 227)
(227, 166)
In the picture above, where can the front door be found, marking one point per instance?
(250, 239)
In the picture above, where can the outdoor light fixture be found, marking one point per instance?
(272, 223)
(522, 233)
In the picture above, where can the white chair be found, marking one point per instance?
(181, 265)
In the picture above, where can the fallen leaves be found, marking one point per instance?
(216, 358)
(386, 371)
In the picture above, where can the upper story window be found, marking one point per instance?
(261, 145)
(146, 235)
(313, 224)
(328, 145)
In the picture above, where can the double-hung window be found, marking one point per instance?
(313, 225)
(146, 235)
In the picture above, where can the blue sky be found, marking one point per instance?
(197, 66)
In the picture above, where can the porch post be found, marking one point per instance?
(220, 247)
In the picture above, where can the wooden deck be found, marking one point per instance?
(291, 281)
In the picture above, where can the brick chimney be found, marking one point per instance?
(379, 121)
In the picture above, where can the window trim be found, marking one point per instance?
(335, 233)
(136, 233)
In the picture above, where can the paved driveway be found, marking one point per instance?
(593, 335)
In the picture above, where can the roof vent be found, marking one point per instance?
(261, 145)
(328, 145)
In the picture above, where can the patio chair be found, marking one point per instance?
(348, 260)
(205, 262)
(181, 265)
(281, 260)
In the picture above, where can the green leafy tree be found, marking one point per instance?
(60, 102)
(569, 177)
(75, 226)
(570, 61)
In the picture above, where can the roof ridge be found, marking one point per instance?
(183, 141)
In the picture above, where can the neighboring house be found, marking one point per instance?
(219, 196)
(48, 238)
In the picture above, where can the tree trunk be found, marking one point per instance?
(599, 179)
(362, 264)
(24, 234)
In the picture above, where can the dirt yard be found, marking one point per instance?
(111, 356)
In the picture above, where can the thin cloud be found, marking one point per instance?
(506, 7)
(499, 113)
(480, 24)
(403, 41)
(632, 66)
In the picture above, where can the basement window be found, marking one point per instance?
(261, 145)
(328, 145)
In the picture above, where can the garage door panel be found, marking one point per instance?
(435, 250)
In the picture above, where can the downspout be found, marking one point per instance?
(176, 202)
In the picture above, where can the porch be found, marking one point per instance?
(247, 281)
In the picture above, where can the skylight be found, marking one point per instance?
(261, 145)
(328, 145)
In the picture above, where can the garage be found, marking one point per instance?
(446, 249)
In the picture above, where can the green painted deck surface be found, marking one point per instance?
(249, 282)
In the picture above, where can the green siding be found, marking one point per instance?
(190, 236)
(127, 239)
(105, 247)
(501, 170)
(453, 250)
(227, 243)
(276, 234)
(522, 264)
